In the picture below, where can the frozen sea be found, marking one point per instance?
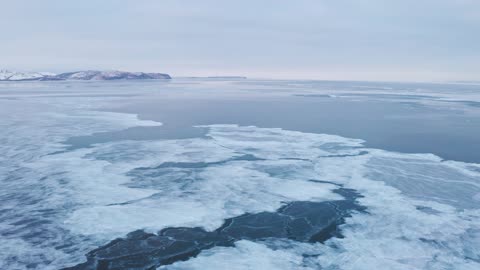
(239, 174)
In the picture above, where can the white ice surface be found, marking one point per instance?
(246, 255)
(399, 231)
(422, 211)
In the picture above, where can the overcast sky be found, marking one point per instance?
(318, 39)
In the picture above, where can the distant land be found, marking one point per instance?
(217, 77)
(467, 82)
(227, 77)
(88, 75)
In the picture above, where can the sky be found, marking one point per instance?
(408, 40)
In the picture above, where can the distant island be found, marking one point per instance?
(228, 77)
(216, 77)
(88, 75)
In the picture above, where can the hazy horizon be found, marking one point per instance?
(347, 40)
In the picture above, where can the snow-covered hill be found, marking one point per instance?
(110, 75)
(6, 75)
